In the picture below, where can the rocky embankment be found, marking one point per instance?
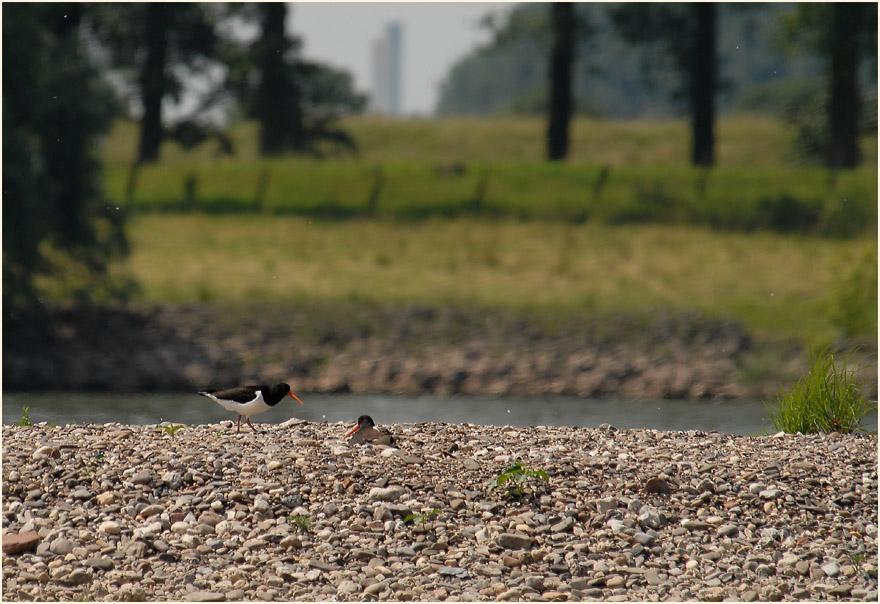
(137, 513)
(361, 348)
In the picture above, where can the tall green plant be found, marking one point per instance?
(828, 399)
(854, 297)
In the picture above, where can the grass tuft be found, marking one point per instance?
(827, 399)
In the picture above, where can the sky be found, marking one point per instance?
(435, 36)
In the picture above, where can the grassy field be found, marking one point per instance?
(743, 141)
(619, 173)
(466, 212)
(777, 286)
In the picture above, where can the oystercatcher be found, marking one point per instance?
(366, 432)
(250, 400)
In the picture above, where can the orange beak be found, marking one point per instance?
(353, 430)
(294, 397)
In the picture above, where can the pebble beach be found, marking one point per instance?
(295, 513)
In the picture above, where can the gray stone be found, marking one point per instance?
(650, 517)
(514, 541)
(772, 493)
(386, 493)
(453, 571)
(205, 596)
(606, 504)
(100, 562)
(563, 525)
(840, 590)
(61, 546)
(142, 477)
(831, 569)
(79, 576)
(172, 479)
(82, 494)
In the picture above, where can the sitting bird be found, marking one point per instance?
(366, 432)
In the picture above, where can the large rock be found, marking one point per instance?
(514, 541)
(20, 542)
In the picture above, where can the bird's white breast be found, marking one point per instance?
(257, 405)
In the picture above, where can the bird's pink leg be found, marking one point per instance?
(239, 425)
(251, 425)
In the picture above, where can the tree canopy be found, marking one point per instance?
(612, 79)
(55, 108)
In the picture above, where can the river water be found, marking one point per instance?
(744, 417)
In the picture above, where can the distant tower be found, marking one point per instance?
(387, 84)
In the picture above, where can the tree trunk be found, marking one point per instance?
(844, 106)
(703, 85)
(281, 124)
(153, 82)
(561, 64)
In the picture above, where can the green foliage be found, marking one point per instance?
(25, 419)
(515, 478)
(854, 296)
(171, 430)
(302, 522)
(55, 107)
(773, 285)
(729, 199)
(421, 518)
(509, 72)
(827, 399)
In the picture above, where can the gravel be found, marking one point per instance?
(116, 512)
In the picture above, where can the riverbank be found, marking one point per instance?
(200, 513)
(362, 348)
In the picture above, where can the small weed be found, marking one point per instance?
(302, 522)
(515, 477)
(827, 399)
(421, 518)
(25, 420)
(171, 429)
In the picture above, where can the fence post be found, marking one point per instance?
(262, 187)
(375, 191)
(190, 184)
(131, 183)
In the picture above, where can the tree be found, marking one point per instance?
(156, 46)
(561, 67)
(278, 103)
(844, 105)
(686, 34)
(296, 102)
(55, 106)
(845, 36)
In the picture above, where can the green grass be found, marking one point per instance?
(776, 285)
(515, 477)
(742, 141)
(828, 399)
(619, 173)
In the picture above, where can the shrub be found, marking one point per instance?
(854, 297)
(827, 399)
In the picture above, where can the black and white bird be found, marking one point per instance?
(250, 400)
(366, 432)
